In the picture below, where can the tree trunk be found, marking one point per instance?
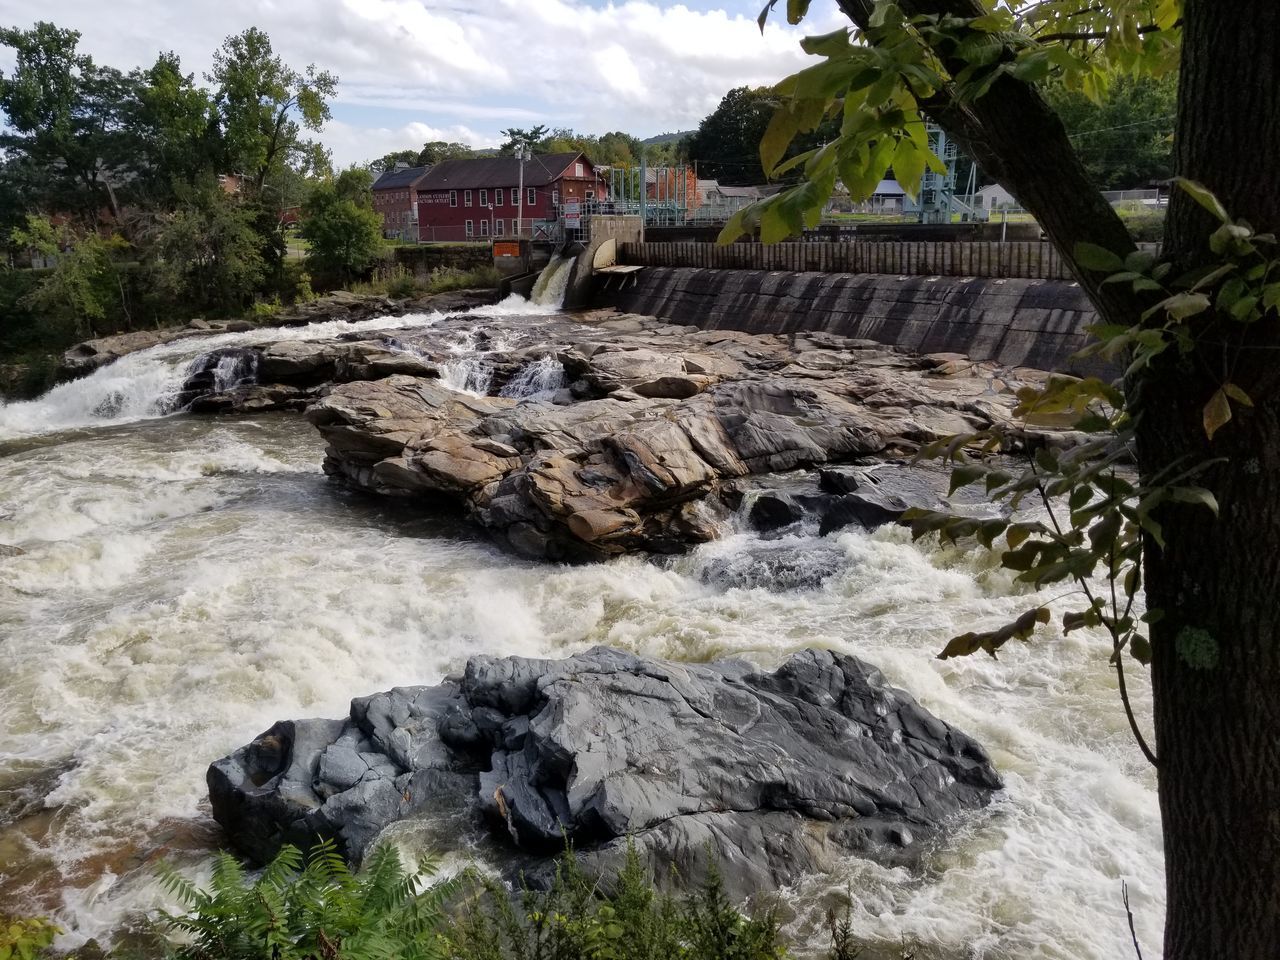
(1216, 666)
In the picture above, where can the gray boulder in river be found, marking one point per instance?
(774, 773)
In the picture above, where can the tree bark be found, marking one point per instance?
(1216, 653)
(1218, 724)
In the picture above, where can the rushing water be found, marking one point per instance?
(188, 581)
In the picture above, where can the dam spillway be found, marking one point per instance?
(1012, 321)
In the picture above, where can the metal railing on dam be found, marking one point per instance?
(1034, 260)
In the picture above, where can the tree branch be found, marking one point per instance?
(1016, 137)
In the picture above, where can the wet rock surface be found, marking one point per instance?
(778, 772)
(85, 357)
(653, 428)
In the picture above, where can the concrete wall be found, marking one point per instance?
(1029, 260)
(423, 258)
(625, 230)
(1016, 322)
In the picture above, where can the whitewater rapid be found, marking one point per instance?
(185, 582)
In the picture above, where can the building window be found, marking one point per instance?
(591, 194)
(453, 198)
(498, 228)
(515, 196)
(532, 196)
(484, 197)
(484, 228)
(466, 198)
(470, 228)
(577, 169)
(497, 197)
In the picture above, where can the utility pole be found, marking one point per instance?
(521, 152)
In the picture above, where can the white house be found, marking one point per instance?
(995, 197)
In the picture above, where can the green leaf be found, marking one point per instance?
(1180, 306)
(1236, 394)
(965, 474)
(991, 640)
(1195, 495)
(1140, 261)
(908, 165)
(1204, 196)
(1216, 413)
(830, 44)
(1140, 647)
(1097, 259)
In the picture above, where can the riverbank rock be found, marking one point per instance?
(779, 772)
(657, 428)
(83, 358)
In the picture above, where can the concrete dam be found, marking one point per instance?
(1011, 320)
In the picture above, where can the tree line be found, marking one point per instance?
(149, 193)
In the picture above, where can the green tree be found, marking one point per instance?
(344, 230)
(1201, 397)
(438, 151)
(726, 145)
(65, 119)
(207, 253)
(179, 138)
(265, 105)
(617, 149)
(85, 286)
(518, 137)
(1125, 140)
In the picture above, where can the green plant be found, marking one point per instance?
(317, 911)
(263, 310)
(24, 938)
(571, 920)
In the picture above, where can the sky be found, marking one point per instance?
(417, 70)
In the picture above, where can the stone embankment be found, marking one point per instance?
(85, 357)
(777, 773)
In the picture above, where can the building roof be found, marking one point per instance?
(751, 193)
(399, 177)
(888, 188)
(539, 171)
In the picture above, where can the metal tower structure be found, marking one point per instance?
(938, 190)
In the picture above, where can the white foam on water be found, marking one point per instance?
(139, 385)
(536, 379)
(187, 582)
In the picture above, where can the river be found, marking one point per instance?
(187, 581)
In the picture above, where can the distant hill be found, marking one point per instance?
(667, 137)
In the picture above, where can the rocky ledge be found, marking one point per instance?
(775, 773)
(83, 358)
(656, 430)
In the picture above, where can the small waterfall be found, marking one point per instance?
(234, 369)
(549, 289)
(540, 378)
(470, 374)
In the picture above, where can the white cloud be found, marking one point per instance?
(351, 143)
(639, 66)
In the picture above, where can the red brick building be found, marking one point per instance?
(480, 198)
(395, 196)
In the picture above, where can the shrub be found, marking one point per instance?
(320, 911)
(24, 938)
(569, 921)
